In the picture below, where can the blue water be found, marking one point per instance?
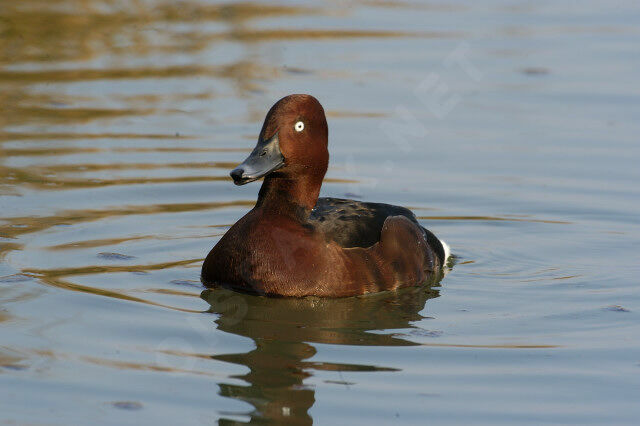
(510, 128)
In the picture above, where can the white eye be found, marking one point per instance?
(299, 126)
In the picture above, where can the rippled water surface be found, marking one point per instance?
(510, 127)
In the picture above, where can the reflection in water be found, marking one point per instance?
(284, 331)
(59, 278)
(56, 30)
(76, 32)
(24, 225)
(48, 48)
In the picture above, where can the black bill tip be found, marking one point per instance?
(237, 176)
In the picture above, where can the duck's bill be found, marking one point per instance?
(265, 158)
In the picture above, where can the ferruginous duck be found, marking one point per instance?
(294, 244)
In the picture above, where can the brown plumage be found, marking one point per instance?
(294, 244)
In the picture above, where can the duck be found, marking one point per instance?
(293, 243)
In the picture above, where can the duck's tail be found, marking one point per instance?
(447, 252)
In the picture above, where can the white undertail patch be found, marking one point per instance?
(447, 251)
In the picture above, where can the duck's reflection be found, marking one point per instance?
(284, 331)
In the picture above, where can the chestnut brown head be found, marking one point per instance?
(292, 142)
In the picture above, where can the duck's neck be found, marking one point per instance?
(287, 195)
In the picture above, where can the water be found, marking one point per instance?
(510, 128)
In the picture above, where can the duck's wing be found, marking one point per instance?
(353, 223)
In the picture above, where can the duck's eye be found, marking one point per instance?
(299, 126)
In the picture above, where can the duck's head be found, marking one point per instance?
(292, 143)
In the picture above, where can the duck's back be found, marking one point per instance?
(352, 223)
